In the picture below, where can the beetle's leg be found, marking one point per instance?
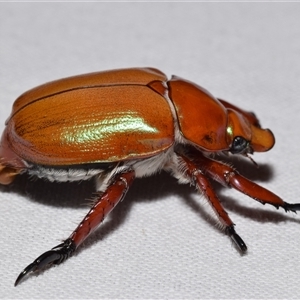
(114, 193)
(104, 205)
(228, 176)
(196, 176)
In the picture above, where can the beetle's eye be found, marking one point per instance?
(239, 145)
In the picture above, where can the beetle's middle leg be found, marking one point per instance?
(196, 177)
(107, 200)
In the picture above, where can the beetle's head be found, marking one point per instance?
(245, 135)
(215, 125)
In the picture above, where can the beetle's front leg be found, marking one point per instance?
(196, 177)
(114, 193)
(228, 176)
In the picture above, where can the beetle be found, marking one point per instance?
(123, 124)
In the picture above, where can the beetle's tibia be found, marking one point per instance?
(237, 239)
(56, 256)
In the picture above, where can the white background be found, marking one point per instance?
(160, 242)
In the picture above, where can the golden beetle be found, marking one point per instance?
(121, 124)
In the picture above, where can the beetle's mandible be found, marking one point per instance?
(129, 123)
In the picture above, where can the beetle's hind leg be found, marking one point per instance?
(190, 170)
(115, 191)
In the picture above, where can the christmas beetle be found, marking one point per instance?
(122, 124)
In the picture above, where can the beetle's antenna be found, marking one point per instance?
(252, 160)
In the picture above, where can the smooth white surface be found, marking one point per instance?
(159, 242)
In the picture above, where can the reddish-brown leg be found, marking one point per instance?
(202, 183)
(228, 176)
(104, 205)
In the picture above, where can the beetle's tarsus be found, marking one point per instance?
(237, 239)
(56, 255)
(291, 207)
